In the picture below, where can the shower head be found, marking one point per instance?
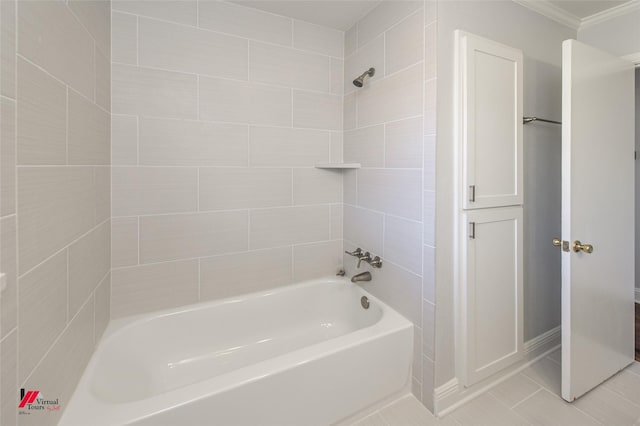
(358, 82)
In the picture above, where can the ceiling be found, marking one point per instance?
(338, 14)
(582, 9)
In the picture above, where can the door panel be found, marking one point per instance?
(597, 209)
(492, 290)
(491, 124)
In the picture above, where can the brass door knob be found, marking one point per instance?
(557, 242)
(578, 247)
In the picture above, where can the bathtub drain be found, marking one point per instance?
(364, 301)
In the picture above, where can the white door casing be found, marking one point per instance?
(597, 209)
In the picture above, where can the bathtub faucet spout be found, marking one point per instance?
(362, 276)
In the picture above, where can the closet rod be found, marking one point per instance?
(530, 119)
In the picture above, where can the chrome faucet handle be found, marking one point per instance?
(376, 262)
(356, 253)
(366, 257)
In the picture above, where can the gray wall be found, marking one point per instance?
(55, 204)
(541, 40)
(620, 36)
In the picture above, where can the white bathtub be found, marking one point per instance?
(306, 354)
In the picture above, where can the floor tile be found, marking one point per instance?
(556, 356)
(626, 384)
(515, 389)
(486, 410)
(608, 407)
(634, 368)
(546, 373)
(408, 412)
(545, 408)
(372, 420)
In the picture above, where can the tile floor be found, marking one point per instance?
(530, 398)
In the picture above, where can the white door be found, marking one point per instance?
(490, 94)
(597, 210)
(492, 291)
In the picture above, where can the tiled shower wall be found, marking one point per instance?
(55, 196)
(220, 113)
(389, 127)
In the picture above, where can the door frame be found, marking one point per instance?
(635, 58)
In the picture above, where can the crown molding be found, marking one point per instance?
(552, 11)
(635, 58)
(614, 12)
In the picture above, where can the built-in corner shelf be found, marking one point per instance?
(338, 166)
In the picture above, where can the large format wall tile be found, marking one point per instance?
(124, 241)
(239, 188)
(43, 311)
(59, 372)
(8, 379)
(180, 11)
(317, 110)
(245, 22)
(364, 228)
(42, 117)
(239, 102)
(89, 132)
(392, 191)
(89, 262)
(282, 147)
(7, 157)
(102, 302)
(103, 81)
(316, 260)
(9, 301)
(51, 36)
(153, 92)
(124, 40)
(404, 43)
(403, 143)
(186, 49)
(383, 17)
(166, 142)
(185, 236)
(288, 67)
(55, 206)
(55, 198)
(8, 48)
(124, 140)
(228, 275)
(154, 190)
(289, 225)
(94, 15)
(316, 186)
(396, 97)
(365, 146)
(151, 287)
(316, 38)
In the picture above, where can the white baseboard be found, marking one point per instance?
(452, 394)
